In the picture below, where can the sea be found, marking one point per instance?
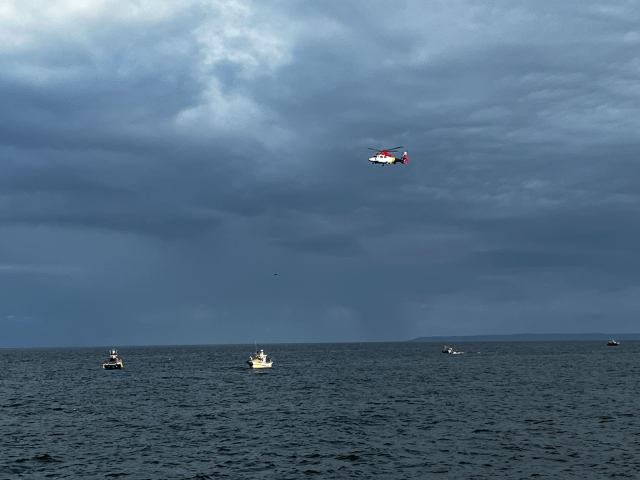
(368, 410)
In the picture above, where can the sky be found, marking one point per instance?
(161, 161)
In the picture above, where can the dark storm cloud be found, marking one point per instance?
(171, 158)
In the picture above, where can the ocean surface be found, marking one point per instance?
(377, 410)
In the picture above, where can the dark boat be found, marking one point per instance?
(114, 362)
(612, 343)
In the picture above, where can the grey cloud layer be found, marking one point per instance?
(200, 148)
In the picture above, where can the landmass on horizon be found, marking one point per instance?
(530, 337)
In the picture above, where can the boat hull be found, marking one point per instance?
(259, 365)
(112, 366)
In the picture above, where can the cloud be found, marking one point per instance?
(180, 154)
(36, 269)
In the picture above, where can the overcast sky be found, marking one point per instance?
(160, 161)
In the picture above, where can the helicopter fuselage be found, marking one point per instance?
(385, 158)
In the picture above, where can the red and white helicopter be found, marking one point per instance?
(385, 157)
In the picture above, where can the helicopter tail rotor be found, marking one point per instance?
(404, 159)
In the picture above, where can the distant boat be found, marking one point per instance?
(451, 351)
(114, 362)
(260, 360)
(612, 343)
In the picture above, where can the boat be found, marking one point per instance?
(612, 343)
(260, 360)
(451, 351)
(114, 361)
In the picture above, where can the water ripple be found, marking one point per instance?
(516, 410)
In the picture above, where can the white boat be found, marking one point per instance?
(114, 362)
(260, 360)
(451, 351)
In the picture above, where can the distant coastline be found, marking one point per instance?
(530, 337)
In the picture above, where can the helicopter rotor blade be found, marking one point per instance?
(384, 149)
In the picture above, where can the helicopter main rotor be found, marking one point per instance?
(386, 149)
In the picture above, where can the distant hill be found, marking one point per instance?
(530, 337)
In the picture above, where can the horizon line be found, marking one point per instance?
(433, 338)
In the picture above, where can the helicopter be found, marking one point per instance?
(385, 157)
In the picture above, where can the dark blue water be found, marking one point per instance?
(397, 410)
